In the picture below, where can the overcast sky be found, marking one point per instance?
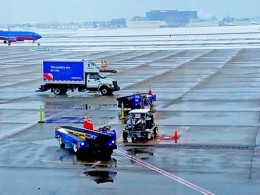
(50, 11)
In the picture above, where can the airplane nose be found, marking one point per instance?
(38, 36)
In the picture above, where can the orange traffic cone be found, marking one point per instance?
(85, 122)
(150, 91)
(90, 125)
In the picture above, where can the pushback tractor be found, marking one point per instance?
(140, 125)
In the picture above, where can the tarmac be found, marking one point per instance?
(207, 86)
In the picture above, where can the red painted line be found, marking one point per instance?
(165, 173)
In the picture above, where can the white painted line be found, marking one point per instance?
(165, 173)
(16, 130)
(22, 128)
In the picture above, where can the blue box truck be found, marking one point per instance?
(59, 76)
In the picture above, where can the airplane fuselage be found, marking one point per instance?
(14, 36)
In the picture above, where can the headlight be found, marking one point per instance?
(113, 141)
(82, 143)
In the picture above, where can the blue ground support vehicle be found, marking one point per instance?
(137, 100)
(99, 142)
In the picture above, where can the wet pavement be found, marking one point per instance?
(209, 93)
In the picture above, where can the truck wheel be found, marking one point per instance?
(57, 91)
(63, 91)
(62, 145)
(105, 90)
(75, 148)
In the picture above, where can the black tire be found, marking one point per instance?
(57, 91)
(63, 91)
(125, 136)
(75, 148)
(149, 136)
(62, 145)
(155, 133)
(134, 139)
(105, 90)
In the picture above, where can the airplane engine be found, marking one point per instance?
(11, 39)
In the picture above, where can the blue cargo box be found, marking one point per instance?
(136, 101)
(63, 71)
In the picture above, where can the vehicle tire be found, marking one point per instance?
(62, 145)
(155, 133)
(149, 136)
(125, 136)
(105, 90)
(75, 148)
(63, 91)
(134, 139)
(57, 91)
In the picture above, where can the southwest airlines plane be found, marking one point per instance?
(14, 36)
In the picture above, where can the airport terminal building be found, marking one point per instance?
(172, 18)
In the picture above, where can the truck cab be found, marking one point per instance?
(140, 125)
(96, 81)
